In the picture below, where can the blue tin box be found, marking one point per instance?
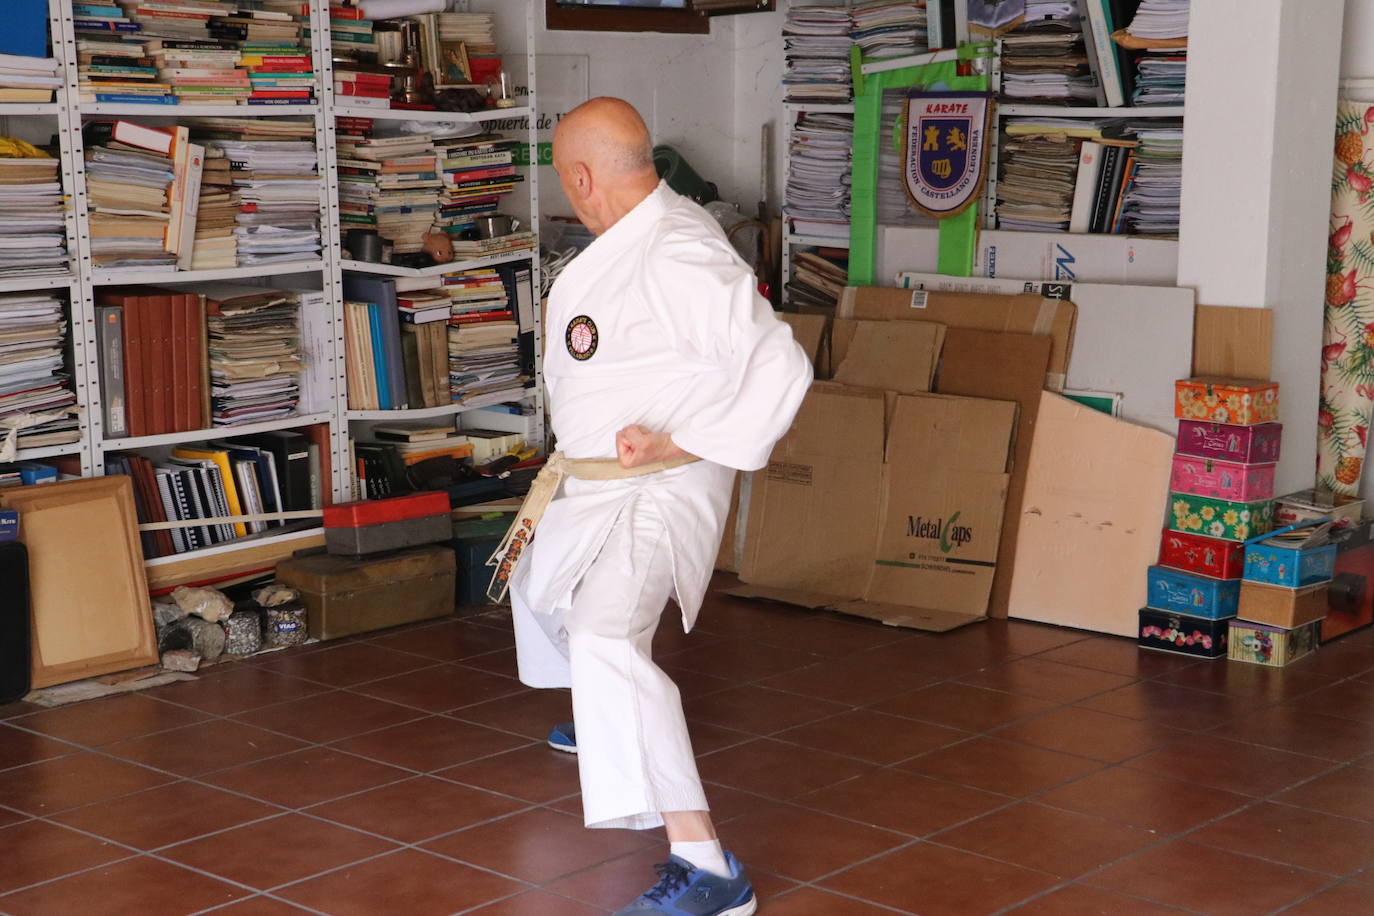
(1197, 596)
(1286, 566)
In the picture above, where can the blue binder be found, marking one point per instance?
(26, 28)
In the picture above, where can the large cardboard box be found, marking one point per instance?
(1024, 314)
(882, 505)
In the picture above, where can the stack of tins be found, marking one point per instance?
(1221, 495)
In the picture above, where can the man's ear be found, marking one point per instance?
(582, 179)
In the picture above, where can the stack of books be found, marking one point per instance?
(484, 358)
(1035, 187)
(467, 41)
(254, 352)
(476, 295)
(352, 36)
(477, 172)
(890, 28)
(143, 187)
(273, 164)
(33, 381)
(28, 79)
(197, 52)
(33, 236)
(362, 89)
(817, 281)
(816, 45)
(816, 200)
(1046, 60)
(392, 185)
(216, 248)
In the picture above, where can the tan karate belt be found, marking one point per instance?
(542, 491)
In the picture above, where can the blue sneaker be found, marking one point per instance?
(685, 890)
(563, 738)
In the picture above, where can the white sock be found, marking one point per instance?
(707, 856)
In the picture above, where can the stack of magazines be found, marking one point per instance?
(33, 236)
(33, 384)
(817, 195)
(816, 45)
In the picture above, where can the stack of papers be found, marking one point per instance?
(394, 190)
(273, 169)
(477, 31)
(816, 46)
(27, 79)
(892, 204)
(127, 190)
(33, 235)
(1161, 78)
(1045, 59)
(1036, 187)
(817, 195)
(1152, 200)
(193, 52)
(484, 362)
(255, 354)
(1157, 20)
(817, 281)
(890, 28)
(32, 382)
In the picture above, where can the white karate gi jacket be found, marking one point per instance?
(659, 323)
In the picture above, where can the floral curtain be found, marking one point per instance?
(1347, 390)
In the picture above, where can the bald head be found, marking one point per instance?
(608, 135)
(604, 159)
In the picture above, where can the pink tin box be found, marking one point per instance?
(1222, 479)
(1223, 442)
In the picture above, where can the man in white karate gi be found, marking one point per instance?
(661, 355)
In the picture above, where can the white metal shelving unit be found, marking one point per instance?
(324, 272)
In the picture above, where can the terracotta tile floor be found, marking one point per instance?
(857, 770)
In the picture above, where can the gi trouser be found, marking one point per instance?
(634, 754)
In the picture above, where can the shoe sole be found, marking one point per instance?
(747, 908)
(570, 749)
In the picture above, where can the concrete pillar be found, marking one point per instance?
(1258, 133)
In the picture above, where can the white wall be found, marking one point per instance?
(683, 85)
(1357, 45)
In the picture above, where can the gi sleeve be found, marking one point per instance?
(707, 298)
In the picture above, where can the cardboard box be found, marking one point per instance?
(1111, 322)
(1276, 647)
(1170, 632)
(1220, 518)
(882, 505)
(1282, 607)
(1222, 479)
(1056, 256)
(1287, 567)
(1025, 314)
(898, 356)
(1224, 442)
(1196, 596)
(1308, 505)
(1239, 402)
(1090, 518)
(1003, 367)
(1202, 556)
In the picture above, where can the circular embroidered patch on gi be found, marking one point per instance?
(581, 338)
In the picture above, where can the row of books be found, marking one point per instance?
(183, 359)
(192, 52)
(403, 184)
(33, 235)
(1125, 178)
(279, 471)
(37, 402)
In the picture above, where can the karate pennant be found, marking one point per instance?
(945, 155)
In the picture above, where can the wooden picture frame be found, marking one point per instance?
(89, 608)
(454, 67)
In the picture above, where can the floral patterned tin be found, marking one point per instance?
(1262, 644)
(1220, 518)
(1181, 633)
(1241, 402)
(1224, 442)
(1222, 479)
(1202, 556)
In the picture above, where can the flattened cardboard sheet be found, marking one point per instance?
(1233, 341)
(1093, 506)
(90, 611)
(898, 356)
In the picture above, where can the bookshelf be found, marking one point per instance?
(324, 392)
